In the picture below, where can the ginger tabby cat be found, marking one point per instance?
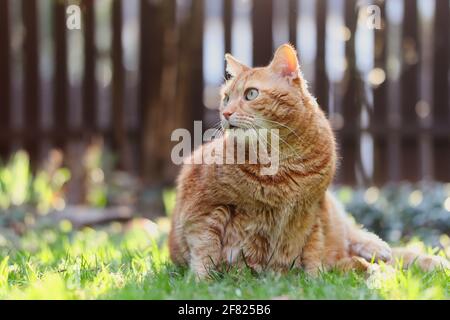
(232, 214)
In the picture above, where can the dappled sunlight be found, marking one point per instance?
(82, 264)
(396, 283)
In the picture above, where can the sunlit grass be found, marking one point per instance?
(132, 264)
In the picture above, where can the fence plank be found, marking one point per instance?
(190, 83)
(262, 17)
(348, 144)
(379, 116)
(441, 110)
(321, 80)
(292, 21)
(119, 126)
(441, 85)
(441, 162)
(60, 122)
(89, 83)
(198, 17)
(395, 144)
(31, 77)
(228, 23)
(5, 84)
(151, 26)
(394, 100)
(410, 147)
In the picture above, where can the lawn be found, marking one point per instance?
(118, 262)
(130, 261)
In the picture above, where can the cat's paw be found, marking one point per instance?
(353, 264)
(375, 249)
(201, 271)
(430, 263)
(201, 275)
(313, 271)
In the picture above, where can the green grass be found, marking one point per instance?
(120, 263)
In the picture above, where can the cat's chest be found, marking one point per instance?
(239, 185)
(257, 197)
(257, 239)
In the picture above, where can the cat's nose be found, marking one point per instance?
(227, 114)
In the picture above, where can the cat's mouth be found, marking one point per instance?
(237, 128)
(229, 126)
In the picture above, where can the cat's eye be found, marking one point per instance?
(226, 99)
(251, 94)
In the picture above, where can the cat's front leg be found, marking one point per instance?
(312, 257)
(204, 235)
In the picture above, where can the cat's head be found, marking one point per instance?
(275, 98)
(267, 97)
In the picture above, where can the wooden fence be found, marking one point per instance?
(62, 88)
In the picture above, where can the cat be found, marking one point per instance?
(232, 214)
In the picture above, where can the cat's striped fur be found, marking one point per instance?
(233, 214)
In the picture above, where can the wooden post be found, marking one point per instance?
(262, 17)
(379, 116)
(60, 81)
(119, 126)
(89, 82)
(31, 79)
(410, 146)
(292, 21)
(321, 80)
(228, 23)
(198, 17)
(348, 138)
(5, 84)
(151, 67)
(441, 85)
(394, 100)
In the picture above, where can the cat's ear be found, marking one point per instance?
(234, 66)
(285, 62)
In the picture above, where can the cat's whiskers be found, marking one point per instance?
(267, 143)
(280, 124)
(248, 122)
(276, 104)
(284, 141)
(218, 129)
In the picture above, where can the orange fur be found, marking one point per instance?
(232, 214)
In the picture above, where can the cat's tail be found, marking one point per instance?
(407, 257)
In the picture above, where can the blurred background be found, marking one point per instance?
(86, 115)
